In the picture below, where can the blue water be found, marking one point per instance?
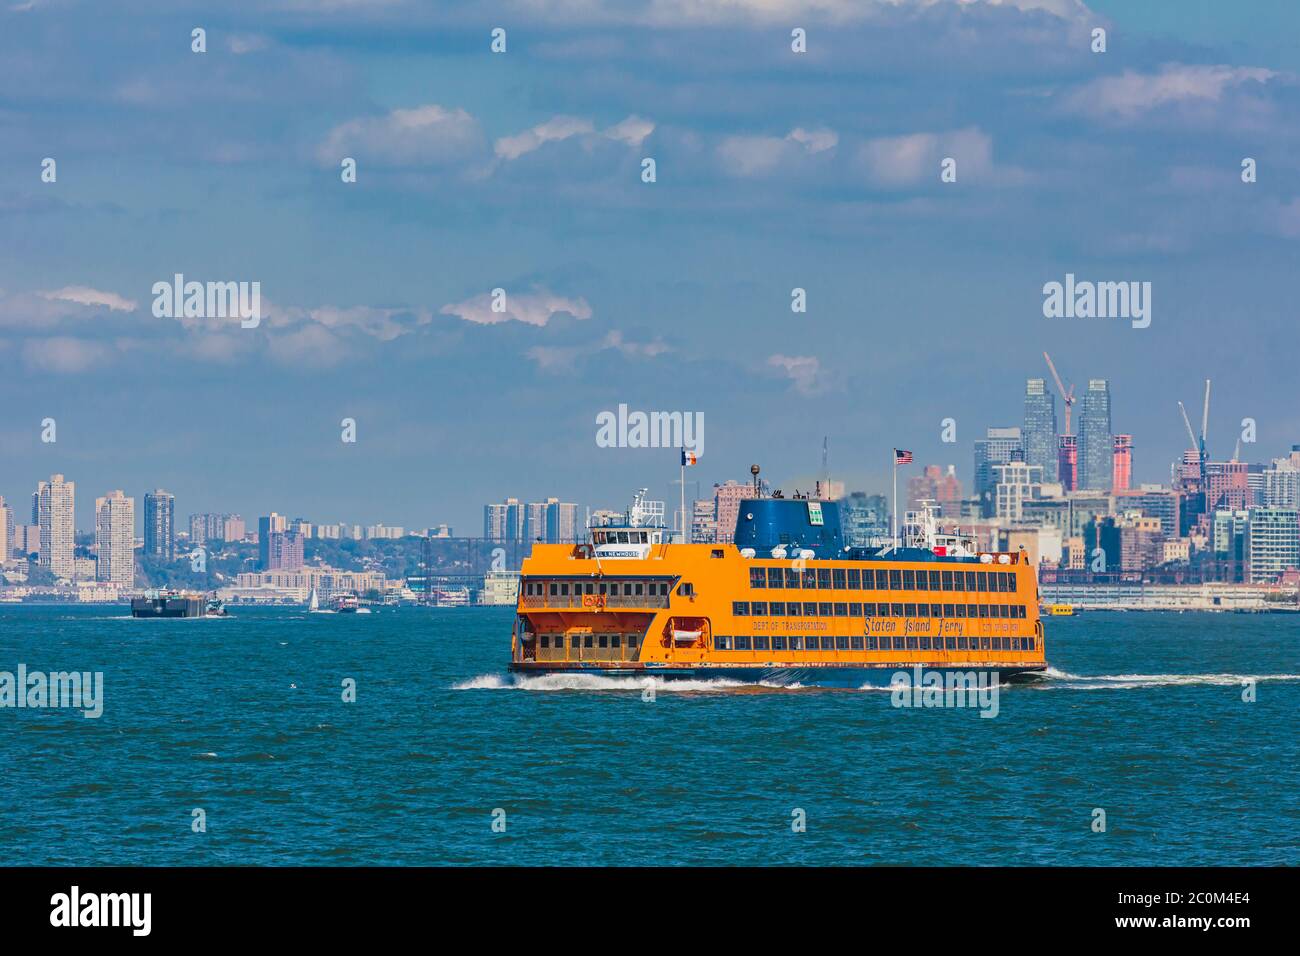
(1142, 716)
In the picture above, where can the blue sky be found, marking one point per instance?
(521, 171)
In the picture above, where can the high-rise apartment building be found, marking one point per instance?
(284, 551)
(1096, 445)
(1272, 543)
(1017, 482)
(1067, 462)
(52, 511)
(115, 539)
(1040, 428)
(1122, 461)
(726, 507)
(267, 527)
(999, 446)
(6, 530)
(939, 486)
(504, 521)
(159, 530)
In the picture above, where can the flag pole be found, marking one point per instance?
(893, 512)
(683, 490)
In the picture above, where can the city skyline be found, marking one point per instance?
(923, 299)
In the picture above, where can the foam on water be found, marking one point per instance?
(1054, 679)
(553, 682)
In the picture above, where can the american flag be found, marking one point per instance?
(902, 457)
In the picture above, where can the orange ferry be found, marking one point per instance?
(787, 602)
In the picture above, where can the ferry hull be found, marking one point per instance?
(818, 675)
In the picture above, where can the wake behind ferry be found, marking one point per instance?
(787, 602)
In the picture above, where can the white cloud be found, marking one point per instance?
(1132, 94)
(532, 308)
(803, 371)
(240, 44)
(84, 295)
(560, 358)
(679, 12)
(425, 134)
(894, 161)
(759, 155)
(630, 131)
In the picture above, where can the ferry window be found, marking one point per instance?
(882, 610)
(855, 579)
(810, 642)
(837, 576)
(936, 610)
(841, 609)
(604, 640)
(923, 610)
(1020, 610)
(615, 640)
(959, 580)
(663, 589)
(934, 580)
(1011, 583)
(984, 610)
(869, 579)
(909, 610)
(793, 578)
(775, 578)
(759, 608)
(778, 642)
(895, 581)
(856, 642)
(925, 643)
(588, 641)
(555, 589)
(760, 642)
(796, 642)
(777, 608)
(984, 644)
(948, 611)
(961, 642)
(823, 577)
(1004, 610)
(631, 642)
(869, 609)
(825, 609)
(922, 581)
(898, 610)
(952, 643)
(573, 641)
(603, 587)
(716, 553)
(947, 580)
(809, 578)
(742, 642)
(911, 642)
(546, 641)
(721, 642)
(687, 589)
(841, 642)
(871, 642)
(810, 609)
(855, 609)
(564, 588)
(981, 582)
(640, 589)
(740, 608)
(970, 580)
(757, 578)
(909, 580)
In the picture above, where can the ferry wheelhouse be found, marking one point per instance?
(787, 601)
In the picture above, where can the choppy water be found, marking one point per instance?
(1141, 715)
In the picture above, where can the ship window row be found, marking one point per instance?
(883, 579)
(870, 642)
(611, 588)
(577, 641)
(872, 609)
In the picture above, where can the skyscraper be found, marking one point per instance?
(159, 530)
(1000, 446)
(1067, 461)
(52, 510)
(504, 521)
(6, 530)
(115, 539)
(726, 507)
(1096, 445)
(1040, 428)
(1122, 473)
(284, 551)
(269, 525)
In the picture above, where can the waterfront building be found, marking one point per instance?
(999, 446)
(115, 540)
(284, 551)
(500, 587)
(1096, 444)
(1272, 544)
(53, 514)
(159, 529)
(1040, 428)
(267, 526)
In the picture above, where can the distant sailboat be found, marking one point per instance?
(313, 603)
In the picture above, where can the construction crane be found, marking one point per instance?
(1199, 444)
(1066, 397)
